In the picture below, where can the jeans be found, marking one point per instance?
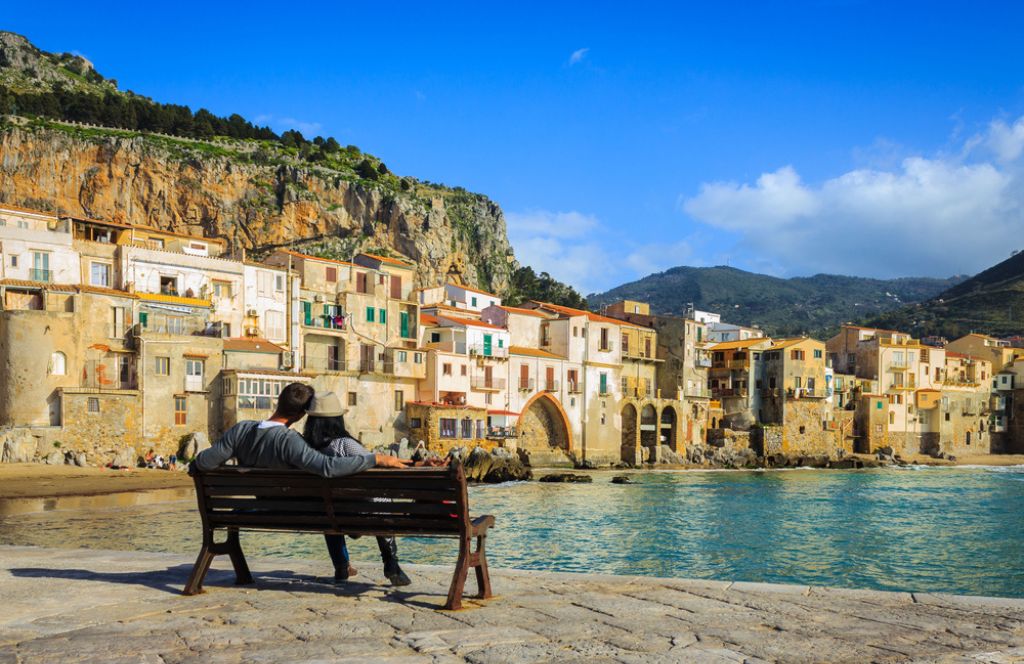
(339, 553)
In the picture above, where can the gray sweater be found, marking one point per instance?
(277, 447)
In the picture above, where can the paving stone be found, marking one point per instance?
(72, 606)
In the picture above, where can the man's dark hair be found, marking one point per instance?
(294, 400)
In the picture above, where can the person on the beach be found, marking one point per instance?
(273, 444)
(325, 431)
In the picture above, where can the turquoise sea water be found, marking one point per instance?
(927, 529)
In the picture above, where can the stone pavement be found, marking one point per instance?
(61, 605)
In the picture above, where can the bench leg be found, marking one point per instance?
(194, 585)
(454, 602)
(242, 575)
(483, 577)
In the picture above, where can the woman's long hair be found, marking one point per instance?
(320, 431)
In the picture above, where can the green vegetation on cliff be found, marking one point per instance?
(814, 305)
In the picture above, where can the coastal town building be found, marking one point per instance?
(119, 337)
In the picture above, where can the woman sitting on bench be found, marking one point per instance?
(325, 431)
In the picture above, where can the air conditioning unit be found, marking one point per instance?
(318, 298)
(251, 312)
(286, 360)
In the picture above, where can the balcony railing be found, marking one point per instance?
(107, 376)
(325, 364)
(484, 383)
(607, 347)
(326, 322)
(194, 384)
(39, 274)
(488, 351)
(551, 385)
(526, 384)
(499, 433)
(573, 387)
(702, 361)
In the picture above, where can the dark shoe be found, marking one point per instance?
(395, 574)
(343, 575)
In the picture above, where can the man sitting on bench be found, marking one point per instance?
(273, 444)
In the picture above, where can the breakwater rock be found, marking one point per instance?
(491, 467)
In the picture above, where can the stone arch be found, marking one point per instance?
(668, 428)
(649, 431)
(543, 424)
(630, 427)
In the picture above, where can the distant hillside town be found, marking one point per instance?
(117, 339)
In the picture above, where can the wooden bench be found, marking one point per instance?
(418, 502)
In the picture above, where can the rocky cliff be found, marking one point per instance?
(218, 188)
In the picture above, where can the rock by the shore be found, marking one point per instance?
(567, 477)
(17, 446)
(621, 479)
(193, 444)
(491, 467)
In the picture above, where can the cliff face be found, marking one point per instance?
(221, 190)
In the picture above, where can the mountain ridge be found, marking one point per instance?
(815, 305)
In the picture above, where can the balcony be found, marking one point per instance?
(485, 384)
(106, 375)
(697, 393)
(737, 365)
(702, 361)
(501, 433)
(573, 387)
(898, 365)
(325, 364)
(326, 323)
(480, 350)
(526, 385)
(607, 347)
(550, 386)
(39, 274)
(732, 392)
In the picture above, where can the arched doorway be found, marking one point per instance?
(543, 425)
(649, 432)
(629, 423)
(669, 428)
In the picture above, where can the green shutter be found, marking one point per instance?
(144, 318)
(404, 321)
(307, 312)
(369, 314)
(487, 345)
(501, 342)
(604, 383)
(383, 316)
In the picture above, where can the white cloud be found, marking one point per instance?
(932, 216)
(577, 56)
(558, 243)
(649, 258)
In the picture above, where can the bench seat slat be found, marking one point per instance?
(220, 519)
(336, 493)
(340, 507)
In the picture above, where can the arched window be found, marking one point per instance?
(58, 363)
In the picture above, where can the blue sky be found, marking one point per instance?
(877, 139)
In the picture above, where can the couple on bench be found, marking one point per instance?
(326, 449)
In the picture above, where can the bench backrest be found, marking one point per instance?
(380, 501)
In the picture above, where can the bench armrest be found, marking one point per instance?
(480, 524)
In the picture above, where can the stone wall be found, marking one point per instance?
(103, 433)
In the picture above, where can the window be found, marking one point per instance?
(163, 366)
(435, 337)
(892, 417)
(169, 285)
(403, 356)
(604, 383)
(118, 322)
(446, 369)
(817, 354)
(175, 325)
(487, 398)
(99, 274)
(797, 355)
(331, 274)
(40, 266)
(14, 261)
(383, 318)
(180, 411)
(417, 358)
(473, 301)
(467, 429)
(93, 405)
(58, 364)
(446, 427)
(275, 325)
(370, 314)
(399, 399)
(194, 368)
(222, 289)
(415, 423)
(604, 339)
(462, 369)
(279, 283)
(803, 429)
(352, 398)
